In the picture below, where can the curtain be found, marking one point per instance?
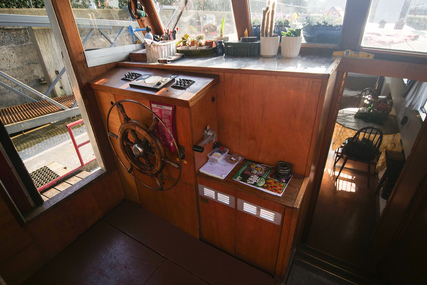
(416, 96)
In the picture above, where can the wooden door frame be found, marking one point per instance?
(406, 192)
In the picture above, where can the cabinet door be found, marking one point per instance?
(258, 227)
(217, 217)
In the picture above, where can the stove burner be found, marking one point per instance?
(182, 83)
(130, 76)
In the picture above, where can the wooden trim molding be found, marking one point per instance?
(242, 17)
(153, 19)
(356, 16)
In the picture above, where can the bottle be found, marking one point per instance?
(220, 48)
(148, 34)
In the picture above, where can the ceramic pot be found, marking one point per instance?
(291, 46)
(269, 46)
(322, 34)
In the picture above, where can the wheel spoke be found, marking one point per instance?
(130, 169)
(123, 112)
(147, 160)
(127, 141)
(170, 162)
(153, 124)
(158, 181)
(135, 136)
(113, 135)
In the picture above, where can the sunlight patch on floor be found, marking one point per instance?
(344, 182)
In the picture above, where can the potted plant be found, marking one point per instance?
(324, 28)
(291, 43)
(280, 24)
(269, 42)
(256, 25)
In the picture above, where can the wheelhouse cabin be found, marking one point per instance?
(158, 131)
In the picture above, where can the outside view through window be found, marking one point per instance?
(198, 17)
(37, 104)
(321, 20)
(397, 25)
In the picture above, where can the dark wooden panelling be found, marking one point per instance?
(170, 273)
(104, 100)
(177, 205)
(257, 240)
(214, 266)
(59, 226)
(405, 262)
(103, 255)
(217, 221)
(22, 265)
(356, 16)
(241, 17)
(203, 113)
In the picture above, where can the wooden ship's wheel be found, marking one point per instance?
(142, 148)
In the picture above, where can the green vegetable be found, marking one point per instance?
(221, 30)
(292, 33)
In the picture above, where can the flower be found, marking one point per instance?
(331, 17)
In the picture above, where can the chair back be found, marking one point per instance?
(364, 145)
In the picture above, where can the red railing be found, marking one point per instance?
(77, 148)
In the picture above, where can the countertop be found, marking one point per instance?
(310, 65)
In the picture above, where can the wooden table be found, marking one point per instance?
(347, 126)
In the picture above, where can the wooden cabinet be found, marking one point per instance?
(266, 110)
(258, 228)
(248, 223)
(195, 108)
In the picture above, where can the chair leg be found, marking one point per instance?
(369, 172)
(342, 166)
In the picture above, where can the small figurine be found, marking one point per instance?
(148, 34)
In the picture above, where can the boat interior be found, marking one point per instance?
(184, 142)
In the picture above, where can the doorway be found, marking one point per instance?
(347, 211)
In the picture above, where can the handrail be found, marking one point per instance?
(76, 147)
(23, 85)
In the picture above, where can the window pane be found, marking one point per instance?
(199, 17)
(37, 101)
(321, 20)
(103, 24)
(397, 25)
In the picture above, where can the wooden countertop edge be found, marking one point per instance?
(258, 193)
(298, 200)
(162, 99)
(288, 73)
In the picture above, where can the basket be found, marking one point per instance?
(156, 50)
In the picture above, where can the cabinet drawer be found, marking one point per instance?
(217, 213)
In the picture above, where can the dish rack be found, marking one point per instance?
(159, 50)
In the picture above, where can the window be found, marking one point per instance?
(39, 98)
(399, 25)
(321, 20)
(107, 31)
(198, 17)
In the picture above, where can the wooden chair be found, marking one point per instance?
(362, 147)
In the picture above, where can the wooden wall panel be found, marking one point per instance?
(22, 265)
(177, 205)
(217, 221)
(13, 237)
(203, 113)
(257, 240)
(104, 100)
(269, 118)
(61, 225)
